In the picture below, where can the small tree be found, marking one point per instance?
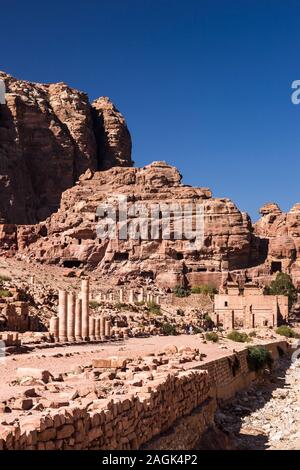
(283, 285)
(258, 358)
(238, 336)
(206, 289)
(181, 291)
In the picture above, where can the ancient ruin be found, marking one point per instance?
(130, 342)
(249, 308)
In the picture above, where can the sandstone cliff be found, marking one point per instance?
(281, 230)
(49, 136)
(69, 236)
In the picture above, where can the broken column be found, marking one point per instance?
(140, 296)
(54, 328)
(102, 328)
(97, 329)
(131, 296)
(107, 328)
(71, 317)
(78, 320)
(85, 309)
(92, 328)
(62, 313)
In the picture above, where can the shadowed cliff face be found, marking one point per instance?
(49, 136)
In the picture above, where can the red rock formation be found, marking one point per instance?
(112, 135)
(282, 232)
(69, 236)
(47, 140)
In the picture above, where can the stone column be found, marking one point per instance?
(275, 312)
(232, 319)
(131, 296)
(157, 300)
(141, 295)
(71, 317)
(54, 328)
(107, 330)
(111, 297)
(97, 329)
(78, 320)
(121, 295)
(92, 328)
(62, 313)
(102, 328)
(85, 309)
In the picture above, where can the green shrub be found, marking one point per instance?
(121, 305)
(154, 308)
(94, 304)
(283, 285)
(181, 291)
(252, 334)
(258, 358)
(139, 303)
(238, 336)
(286, 331)
(5, 293)
(4, 277)
(212, 336)
(168, 329)
(207, 289)
(207, 318)
(197, 330)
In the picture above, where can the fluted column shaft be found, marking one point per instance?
(78, 320)
(85, 291)
(54, 328)
(62, 313)
(71, 317)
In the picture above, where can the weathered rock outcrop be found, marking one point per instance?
(49, 136)
(69, 236)
(112, 135)
(282, 232)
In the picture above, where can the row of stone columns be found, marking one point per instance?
(133, 296)
(74, 322)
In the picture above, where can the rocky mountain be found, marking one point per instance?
(61, 156)
(49, 135)
(69, 237)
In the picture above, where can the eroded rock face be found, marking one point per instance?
(69, 236)
(112, 135)
(282, 232)
(49, 136)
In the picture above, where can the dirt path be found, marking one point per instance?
(266, 416)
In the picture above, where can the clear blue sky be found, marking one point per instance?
(203, 84)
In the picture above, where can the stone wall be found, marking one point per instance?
(230, 374)
(224, 384)
(171, 413)
(124, 424)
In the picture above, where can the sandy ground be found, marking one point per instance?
(83, 355)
